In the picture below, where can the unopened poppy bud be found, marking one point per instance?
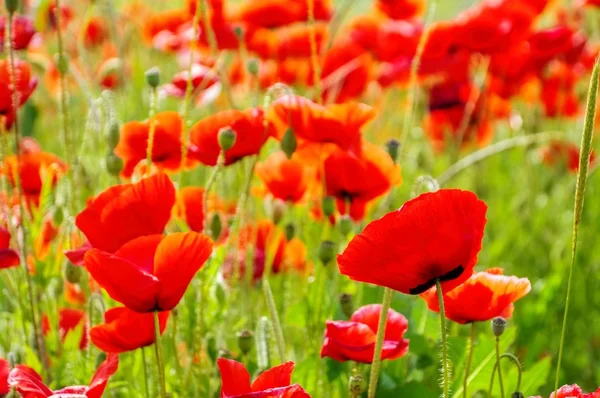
(357, 385)
(11, 6)
(56, 288)
(290, 231)
(114, 164)
(252, 67)
(215, 226)
(245, 341)
(101, 357)
(153, 77)
(327, 251)
(227, 138)
(278, 210)
(517, 394)
(114, 135)
(345, 224)
(72, 272)
(62, 62)
(58, 215)
(498, 326)
(289, 143)
(393, 147)
(328, 205)
(239, 32)
(225, 353)
(347, 304)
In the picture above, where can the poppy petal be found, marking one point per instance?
(396, 324)
(9, 258)
(103, 373)
(279, 376)
(28, 383)
(235, 378)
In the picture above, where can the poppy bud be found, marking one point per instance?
(153, 77)
(58, 215)
(245, 341)
(347, 304)
(225, 353)
(114, 135)
(345, 224)
(252, 67)
(327, 251)
(101, 357)
(328, 205)
(357, 385)
(114, 164)
(72, 272)
(239, 32)
(56, 288)
(227, 138)
(220, 294)
(62, 62)
(289, 143)
(498, 326)
(290, 231)
(517, 394)
(278, 210)
(11, 6)
(393, 147)
(215, 226)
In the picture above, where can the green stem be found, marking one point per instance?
(159, 357)
(516, 361)
(469, 359)
(499, 367)
(275, 319)
(209, 184)
(444, 338)
(152, 130)
(584, 161)
(376, 365)
(147, 389)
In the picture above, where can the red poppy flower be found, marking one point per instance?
(4, 371)
(401, 9)
(8, 257)
(190, 203)
(435, 236)
(482, 297)
(272, 383)
(558, 91)
(286, 42)
(23, 31)
(573, 391)
(48, 232)
(25, 86)
(561, 40)
(203, 79)
(166, 149)
(346, 72)
(94, 32)
(29, 384)
(275, 13)
(249, 126)
(128, 211)
(354, 340)
(150, 273)
(162, 29)
(563, 153)
(73, 293)
(285, 179)
(68, 320)
(125, 330)
(66, 14)
(354, 181)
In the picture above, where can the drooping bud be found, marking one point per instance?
(328, 205)
(227, 138)
(11, 6)
(290, 231)
(245, 341)
(327, 251)
(62, 62)
(289, 143)
(58, 215)
(153, 77)
(101, 357)
(357, 385)
(346, 224)
(393, 147)
(72, 272)
(114, 164)
(252, 67)
(347, 304)
(215, 226)
(113, 136)
(278, 210)
(498, 326)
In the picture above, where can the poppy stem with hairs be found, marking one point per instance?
(444, 338)
(152, 129)
(376, 364)
(211, 181)
(159, 357)
(582, 174)
(470, 349)
(274, 318)
(146, 388)
(499, 367)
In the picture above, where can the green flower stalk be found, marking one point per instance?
(376, 364)
(153, 80)
(159, 357)
(444, 341)
(470, 349)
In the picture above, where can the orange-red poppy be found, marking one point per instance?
(26, 83)
(166, 149)
(559, 41)
(203, 80)
(162, 30)
(291, 41)
(354, 340)
(8, 257)
(573, 391)
(190, 207)
(74, 294)
(401, 9)
(69, 319)
(434, 237)
(29, 384)
(346, 72)
(563, 153)
(275, 13)
(44, 238)
(272, 383)
(23, 31)
(356, 180)
(558, 91)
(251, 133)
(94, 32)
(125, 330)
(284, 178)
(482, 297)
(150, 273)
(128, 211)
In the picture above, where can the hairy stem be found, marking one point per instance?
(444, 339)
(376, 365)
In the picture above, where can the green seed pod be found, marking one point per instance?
(114, 164)
(278, 210)
(328, 205)
(252, 67)
(239, 32)
(114, 135)
(498, 326)
(62, 62)
(393, 147)
(215, 226)
(289, 143)
(290, 231)
(58, 215)
(357, 385)
(227, 138)
(346, 224)
(11, 6)
(72, 272)
(347, 304)
(327, 251)
(153, 77)
(101, 357)
(245, 341)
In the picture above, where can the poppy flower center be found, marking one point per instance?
(448, 276)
